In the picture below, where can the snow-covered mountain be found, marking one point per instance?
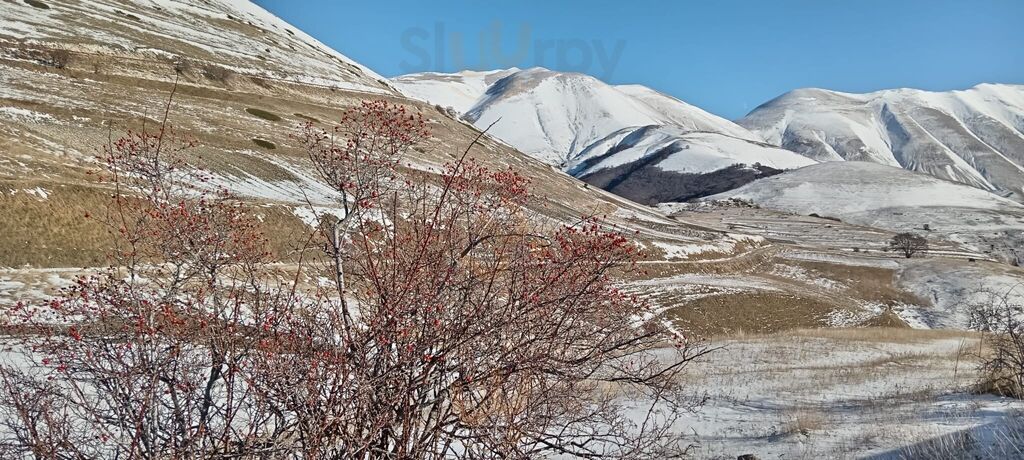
(975, 136)
(556, 115)
(881, 196)
(630, 139)
(659, 163)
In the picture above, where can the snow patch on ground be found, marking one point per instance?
(25, 115)
(312, 216)
(802, 274)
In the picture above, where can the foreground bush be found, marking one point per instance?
(1001, 317)
(435, 318)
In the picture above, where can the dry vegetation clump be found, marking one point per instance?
(803, 422)
(763, 312)
(184, 66)
(217, 73)
(264, 143)
(51, 231)
(37, 4)
(307, 118)
(868, 283)
(56, 58)
(883, 334)
(885, 319)
(260, 113)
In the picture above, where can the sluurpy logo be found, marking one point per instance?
(438, 49)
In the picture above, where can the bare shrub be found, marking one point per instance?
(803, 422)
(446, 110)
(1001, 317)
(455, 323)
(144, 359)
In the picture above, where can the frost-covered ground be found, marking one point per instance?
(835, 256)
(893, 199)
(839, 394)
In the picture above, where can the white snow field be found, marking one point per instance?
(848, 393)
(460, 91)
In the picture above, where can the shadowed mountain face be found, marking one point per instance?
(656, 164)
(975, 137)
(650, 185)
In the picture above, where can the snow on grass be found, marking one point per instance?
(677, 250)
(835, 394)
(733, 282)
(953, 286)
(37, 192)
(841, 259)
(25, 115)
(311, 216)
(847, 189)
(897, 200)
(801, 274)
(257, 43)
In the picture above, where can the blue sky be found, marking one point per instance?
(724, 56)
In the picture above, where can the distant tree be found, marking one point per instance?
(908, 244)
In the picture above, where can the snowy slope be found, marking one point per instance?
(680, 150)
(555, 115)
(886, 197)
(672, 111)
(232, 33)
(459, 91)
(975, 136)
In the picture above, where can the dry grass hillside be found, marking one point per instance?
(73, 74)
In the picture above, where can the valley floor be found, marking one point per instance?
(849, 393)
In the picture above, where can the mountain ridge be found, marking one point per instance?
(973, 136)
(591, 129)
